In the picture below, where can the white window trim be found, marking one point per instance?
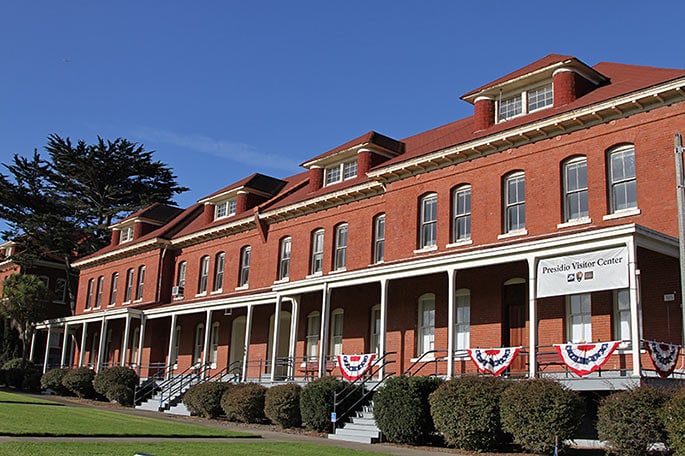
(340, 167)
(460, 189)
(575, 222)
(229, 206)
(126, 234)
(340, 253)
(567, 218)
(460, 243)
(569, 323)
(610, 178)
(511, 234)
(423, 222)
(377, 240)
(523, 94)
(505, 207)
(423, 300)
(623, 213)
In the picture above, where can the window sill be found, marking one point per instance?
(199, 295)
(110, 305)
(575, 222)
(316, 274)
(284, 280)
(621, 214)
(219, 291)
(242, 287)
(512, 234)
(125, 303)
(338, 271)
(460, 243)
(430, 248)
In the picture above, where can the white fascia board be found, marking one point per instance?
(126, 251)
(215, 231)
(109, 314)
(214, 304)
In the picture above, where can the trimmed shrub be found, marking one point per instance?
(204, 399)
(402, 410)
(466, 411)
(673, 417)
(538, 411)
(121, 394)
(52, 380)
(316, 402)
(282, 405)
(80, 382)
(244, 403)
(108, 383)
(629, 420)
(22, 374)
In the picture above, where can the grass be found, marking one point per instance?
(23, 399)
(20, 419)
(175, 449)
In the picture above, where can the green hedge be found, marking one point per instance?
(205, 399)
(282, 405)
(52, 380)
(630, 422)
(673, 418)
(80, 382)
(316, 402)
(244, 403)
(116, 384)
(21, 374)
(466, 411)
(538, 411)
(402, 410)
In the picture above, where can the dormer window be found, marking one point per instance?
(126, 234)
(340, 172)
(525, 102)
(225, 208)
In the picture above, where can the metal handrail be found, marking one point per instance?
(359, 385)
(185, 378)
(435, 361)
(148, 388)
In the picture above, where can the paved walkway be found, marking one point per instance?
(265, 433)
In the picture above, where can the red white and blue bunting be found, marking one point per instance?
(586, 358)
(493, 360)
(353, 367)
(664, 356)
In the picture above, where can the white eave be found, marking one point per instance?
(582, 118)
(215, 232)
(121, 252)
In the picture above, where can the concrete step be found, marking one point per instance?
(352, 438)
(178, 409)
(149, 405)
(361, 427)
(357, 432)
(363, 421)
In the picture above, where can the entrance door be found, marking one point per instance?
(237, 345)
(514, 332)
(283, 346)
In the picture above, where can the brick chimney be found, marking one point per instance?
(484, 116)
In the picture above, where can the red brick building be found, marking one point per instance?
(547, 217)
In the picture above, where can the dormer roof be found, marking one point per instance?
(156, 214)
(372, 140)
(258, 184)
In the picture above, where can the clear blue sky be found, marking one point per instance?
(222, 89)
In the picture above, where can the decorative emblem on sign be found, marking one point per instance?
(586, 358)
(354, 366)
(493, 360)
(664, 356)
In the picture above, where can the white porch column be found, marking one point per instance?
(103, 342)
(451, 304)
(64, 345)
(124, 345)
(82, 350)
(323, 333)
(141, 338)
(208, 335)
(383, 325)
(633, 280)
(532, 317)
(33, 346)
(248, 333)
(172, 342)
(277, 329)
(294, 318)
(47, 349)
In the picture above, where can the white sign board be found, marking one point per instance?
(583, 273)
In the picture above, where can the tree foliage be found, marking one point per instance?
(64, 204)
(24, 300)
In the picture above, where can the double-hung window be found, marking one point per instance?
(317, 252)
(61, 290)
(514, 203)
(525, 102)
(575, 189)
(579, 317)
(113, 289)
(313, 329)
(181, 276)
(244, 266)
(461, 210)
(426, 324)
(429, 221)
(225, 208)
(462, 315)
(219, 271)
(622, 179)
(128, 294)
(340, 256)
(340, 172)
(126, 234)
(284, 259)
(204, 275)
(379, 239)
(98, 292)
(141, 283)
(622, 330)
(89, 294)
(337, 318)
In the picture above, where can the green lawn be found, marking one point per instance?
(19, 419)
(22, 398)
(175, 449)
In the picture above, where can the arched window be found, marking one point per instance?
(129, 286)
(428, 229)
(204, 275)
(89, 293)
(141, 283)
(622, 178)
(514, 202)
(340, 254)
(575, 189)
(219, 271)
(113, 289)
(379, 238)
(284, 259)
(317, 252)
(199, 343)
(244, 278)
(461, 213)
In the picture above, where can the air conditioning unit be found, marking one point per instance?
(177, 291)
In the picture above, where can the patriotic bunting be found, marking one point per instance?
(585, 358)
(493, 360)
(664, 356)
(354, 366)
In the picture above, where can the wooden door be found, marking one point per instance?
(514, 332)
